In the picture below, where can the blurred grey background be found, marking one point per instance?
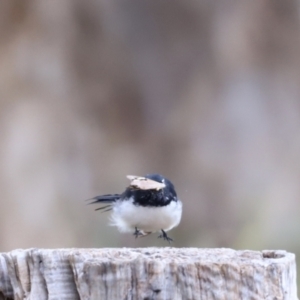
(206, 93)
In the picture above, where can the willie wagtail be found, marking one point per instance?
(149, 204)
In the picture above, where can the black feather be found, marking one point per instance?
(105, 198)
(106, 206)
(106, 210)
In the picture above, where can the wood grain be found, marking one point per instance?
(147, 273)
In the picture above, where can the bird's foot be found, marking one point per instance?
(137, 233)
(165, 237)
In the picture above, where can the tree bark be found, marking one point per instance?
(147, 273)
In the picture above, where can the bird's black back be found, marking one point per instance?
(152, 197)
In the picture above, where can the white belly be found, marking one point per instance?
(126, 216)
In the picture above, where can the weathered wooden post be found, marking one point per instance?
(147, 273)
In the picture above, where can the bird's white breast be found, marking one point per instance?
(126, 216)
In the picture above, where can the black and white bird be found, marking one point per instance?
(149, 204)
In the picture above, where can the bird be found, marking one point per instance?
(149, 204)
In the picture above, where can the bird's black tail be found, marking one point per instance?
(109, 198)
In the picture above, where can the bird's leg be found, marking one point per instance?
(137, 233)
(165, 236)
